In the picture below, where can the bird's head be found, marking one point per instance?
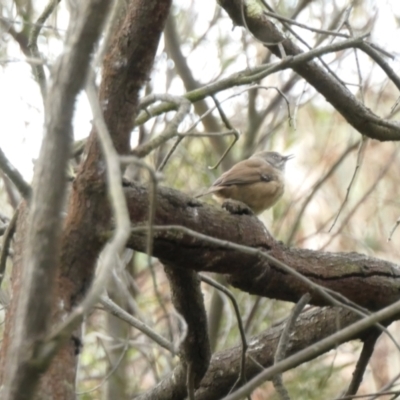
(277, 160)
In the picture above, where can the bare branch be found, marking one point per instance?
(362, 199)
(309, 28)
(119, 312)
(359, 116)
(252, 75)
(33, 47)
(8, 235)
(360, 154)
(173, 47)
(280, 353)
(223, 289)
(195, 349)
(15, 176)
(44, 229)
(171, 129)
(393, 230)
(362, 363)
(324, 344)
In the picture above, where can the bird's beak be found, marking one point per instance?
(290, 156)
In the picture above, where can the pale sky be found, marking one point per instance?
(21, 105)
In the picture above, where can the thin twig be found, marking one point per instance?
(27, 23)
(283, 344)
(396, 224)
(367, 48)
(235, 132)
(15, 176)
(228, 126)
(375, 395)
(171, 129)
(316, 348)
(33, 47)
(154, 177)
(309, 28)
(119, 312)
(252, 75)
(387, 386)
(228, 293)
(316, 187)
(362, 199)
(294, 33)
(6, 244)
(360, 154)
(297, 105)
(360, 79)
(110, 372)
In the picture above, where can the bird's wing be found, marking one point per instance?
(253, 171)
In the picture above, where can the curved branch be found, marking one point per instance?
(310, 352)
(353, 275)
(224, 366)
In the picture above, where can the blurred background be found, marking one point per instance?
(341, 189)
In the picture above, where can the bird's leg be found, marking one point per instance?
(236, 207)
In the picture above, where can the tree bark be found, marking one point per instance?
(370, 282)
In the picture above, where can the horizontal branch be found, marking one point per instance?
(315, 349)
(249, 76)
(353, 275)
(224, 368)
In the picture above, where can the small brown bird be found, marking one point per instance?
(257, 182)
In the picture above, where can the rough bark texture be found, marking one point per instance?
(41, 249)
(369, 282)
(225, 365)
(126, 68)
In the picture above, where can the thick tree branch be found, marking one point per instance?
(41, 256)
(225, 365)
(126, 68)
(353, 275)
(388, 313)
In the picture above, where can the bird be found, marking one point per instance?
(258, 182)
